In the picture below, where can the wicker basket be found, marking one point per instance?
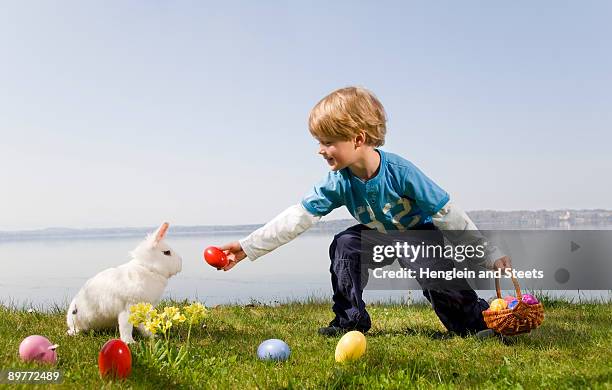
(521, 319)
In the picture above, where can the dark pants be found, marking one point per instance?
(459, 309)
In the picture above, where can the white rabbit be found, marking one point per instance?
(106, 298)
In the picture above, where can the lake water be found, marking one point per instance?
(51, 271)
(46, 272)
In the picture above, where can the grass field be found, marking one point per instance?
(572, 349)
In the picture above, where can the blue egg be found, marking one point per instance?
(273, 349)
(513, 304)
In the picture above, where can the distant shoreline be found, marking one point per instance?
(484, 219)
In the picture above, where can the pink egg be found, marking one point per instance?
(530, 299)
(37, 348)
(509, 299)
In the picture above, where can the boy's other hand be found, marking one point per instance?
(234, 254)
(502, 263)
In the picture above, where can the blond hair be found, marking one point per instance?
(346, 112)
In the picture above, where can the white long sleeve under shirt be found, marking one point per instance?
(450, 219)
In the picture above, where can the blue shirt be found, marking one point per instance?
(399, 197)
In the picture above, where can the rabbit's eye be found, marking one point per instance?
(167, 253)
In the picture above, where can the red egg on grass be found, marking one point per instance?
(115, 360)
(215, 257)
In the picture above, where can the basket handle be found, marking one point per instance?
(517, 288)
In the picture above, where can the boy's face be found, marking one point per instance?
(339, 154)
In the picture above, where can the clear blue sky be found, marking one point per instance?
(128, 113)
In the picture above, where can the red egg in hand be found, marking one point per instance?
(115, 360)
(215, 257)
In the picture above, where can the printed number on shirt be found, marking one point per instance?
(396, 211)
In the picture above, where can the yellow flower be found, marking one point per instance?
(144, 314)
(196, 312)
(172, 313)
(140, 312)
(153, 324)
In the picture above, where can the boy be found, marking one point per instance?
(383, 192)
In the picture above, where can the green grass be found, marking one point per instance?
(572, 349)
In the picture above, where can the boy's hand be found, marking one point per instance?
(502, 263)
(234, 254)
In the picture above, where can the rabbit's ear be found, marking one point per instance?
(161, 232)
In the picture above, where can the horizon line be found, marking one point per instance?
(240, 227)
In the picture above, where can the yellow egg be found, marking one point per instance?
(498, 304)
(351, 346)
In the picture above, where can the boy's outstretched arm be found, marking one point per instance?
(459, 228)
(283, 228)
